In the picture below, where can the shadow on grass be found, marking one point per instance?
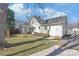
(22, 43)
(62, 48)
(24, 50)
(9, 45)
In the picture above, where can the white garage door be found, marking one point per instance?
(56, 30)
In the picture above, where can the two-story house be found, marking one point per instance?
(56, 27)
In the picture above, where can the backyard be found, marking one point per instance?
(26, 45)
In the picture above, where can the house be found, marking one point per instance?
(73, 29)
(55, 27)
(76, 30)
(26, 28)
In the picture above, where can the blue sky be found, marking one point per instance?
(49, 10)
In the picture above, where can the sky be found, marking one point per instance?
(49, 10)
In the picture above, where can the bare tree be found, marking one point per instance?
(77, 23)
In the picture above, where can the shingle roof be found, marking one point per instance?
(52, 21)
(57, 20)
(40, 20)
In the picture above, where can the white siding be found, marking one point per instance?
(37, 30)
(43, 30)
(56, 30)
(35, 24)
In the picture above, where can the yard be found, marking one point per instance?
(28, 45)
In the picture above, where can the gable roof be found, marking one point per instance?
(52, 21)
(40, 20)
(57, 20)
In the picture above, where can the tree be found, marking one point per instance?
(77, 24)
(3, 15)
(10, 21)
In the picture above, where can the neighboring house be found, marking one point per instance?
(26, 28)
(56, 27)
(72, 29)
(75, 31)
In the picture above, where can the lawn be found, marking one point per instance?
(24, 46)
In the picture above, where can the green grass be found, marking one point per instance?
(26, 45)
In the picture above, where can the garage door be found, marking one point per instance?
(56, 30)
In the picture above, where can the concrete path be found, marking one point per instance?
(56, 51)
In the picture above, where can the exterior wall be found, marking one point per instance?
(59, 30)
(56, 30)
(36, 25)
(43, 29)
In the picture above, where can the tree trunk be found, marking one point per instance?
(2, 38)
(3, 16)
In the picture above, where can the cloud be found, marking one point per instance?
(52, 13)
(20, 11)
(38, 12)
(17, 8)
(49, 11)
(27, 11)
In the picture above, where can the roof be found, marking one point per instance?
(40, 20)
(52, 21)
(57, 20)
